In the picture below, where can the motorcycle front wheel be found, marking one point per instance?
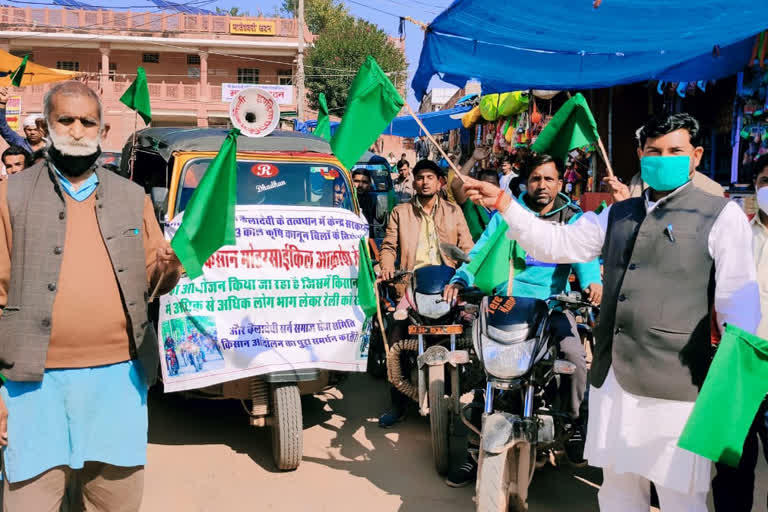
(503, 479)
(439, 418)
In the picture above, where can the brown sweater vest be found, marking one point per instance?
(89, 325)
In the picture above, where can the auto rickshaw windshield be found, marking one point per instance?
(276, 183)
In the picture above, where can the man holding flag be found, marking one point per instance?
(489, 270)
(669, 257)
(80, 248)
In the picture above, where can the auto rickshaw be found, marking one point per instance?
(169, 163)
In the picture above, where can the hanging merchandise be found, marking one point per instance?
(545, 94)
(469, 119)
(512, 103)
(489, 107)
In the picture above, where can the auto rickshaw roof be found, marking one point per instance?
(166, 141)
(371, 158)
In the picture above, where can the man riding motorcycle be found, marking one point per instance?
(414, 234)
(544, 179)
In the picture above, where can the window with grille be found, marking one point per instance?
(247, 76)
(193, 60)
(285, 77)
(151, 58)
(68, 65)
(112, 70)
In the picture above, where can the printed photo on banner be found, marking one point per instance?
(284, 297)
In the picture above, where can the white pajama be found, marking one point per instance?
(634, 438)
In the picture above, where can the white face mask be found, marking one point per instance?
(762, 199)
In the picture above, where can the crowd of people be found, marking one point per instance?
(658, 302)
(669, 262)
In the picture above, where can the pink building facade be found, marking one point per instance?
(192, 61)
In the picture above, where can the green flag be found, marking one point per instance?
(209, 219)
(477, 219)
(735, 386)
(573, 126)
(323, 128)
(391, 200)
(372, 103)
(137, 96)
(490, 265)
(366, 295)
(602, 206)
(19, 73)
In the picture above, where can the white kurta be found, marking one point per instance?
(760, 250)
(637, 434)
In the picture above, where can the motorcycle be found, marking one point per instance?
(437, 338)
(172, 361)
(524, 422)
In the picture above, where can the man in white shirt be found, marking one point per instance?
(733, 489)
(669, 256)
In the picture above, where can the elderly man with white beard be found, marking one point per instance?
(79, 250)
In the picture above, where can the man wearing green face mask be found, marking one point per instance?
(671, 258)
(680, 123)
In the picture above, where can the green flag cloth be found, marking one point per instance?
(477, 219)
(490, 265)
(602, 206)
(209, 219)
(729, 399)
(366, 295)
(137, 96)
(391, 200)
(19, 73)
(573, 126)
(372, 103)
(323, 128)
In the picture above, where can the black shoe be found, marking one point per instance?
(392, 417)
(463, 475)
(574, 448)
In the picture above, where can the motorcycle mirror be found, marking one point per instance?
(454, 252)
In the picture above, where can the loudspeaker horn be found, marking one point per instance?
(255, 112)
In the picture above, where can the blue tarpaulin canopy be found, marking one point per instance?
(567, 44)
(405, 126)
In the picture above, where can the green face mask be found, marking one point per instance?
(665, 173)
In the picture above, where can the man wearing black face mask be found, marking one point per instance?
(79, 250)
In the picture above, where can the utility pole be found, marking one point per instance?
(300, 64)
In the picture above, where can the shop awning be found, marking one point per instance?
(405, 126)
(34, 73)
(567, 44)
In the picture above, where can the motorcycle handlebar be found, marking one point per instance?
(397, 275)
(568, 300)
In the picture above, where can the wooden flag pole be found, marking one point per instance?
(433, 141)
(604, 154)
(157, 287)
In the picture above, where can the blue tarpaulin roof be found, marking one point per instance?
(567, 44)
(405, 126)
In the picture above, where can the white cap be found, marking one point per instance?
(30, 121)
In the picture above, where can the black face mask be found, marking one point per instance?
(73, 165)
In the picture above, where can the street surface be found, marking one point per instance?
(203, 456)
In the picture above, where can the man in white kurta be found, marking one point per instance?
(633, 437)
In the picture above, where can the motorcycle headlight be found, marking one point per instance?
(431, 306)
(507, 361)
(518, 334)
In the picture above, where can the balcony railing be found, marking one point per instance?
(29, 18)
(161, 94)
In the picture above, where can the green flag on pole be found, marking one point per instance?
(323, 128)
(366, 295)
(137, 96)
(735, 386)
(477, 218)
(372, 103)
(490, 265)
(573, 126)
(209, 219)
(19, 73)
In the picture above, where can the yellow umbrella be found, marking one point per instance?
(33, 74)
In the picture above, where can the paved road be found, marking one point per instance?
(203, 456)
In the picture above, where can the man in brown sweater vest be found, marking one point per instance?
(79, 251)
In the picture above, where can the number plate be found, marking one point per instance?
(435, 330)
